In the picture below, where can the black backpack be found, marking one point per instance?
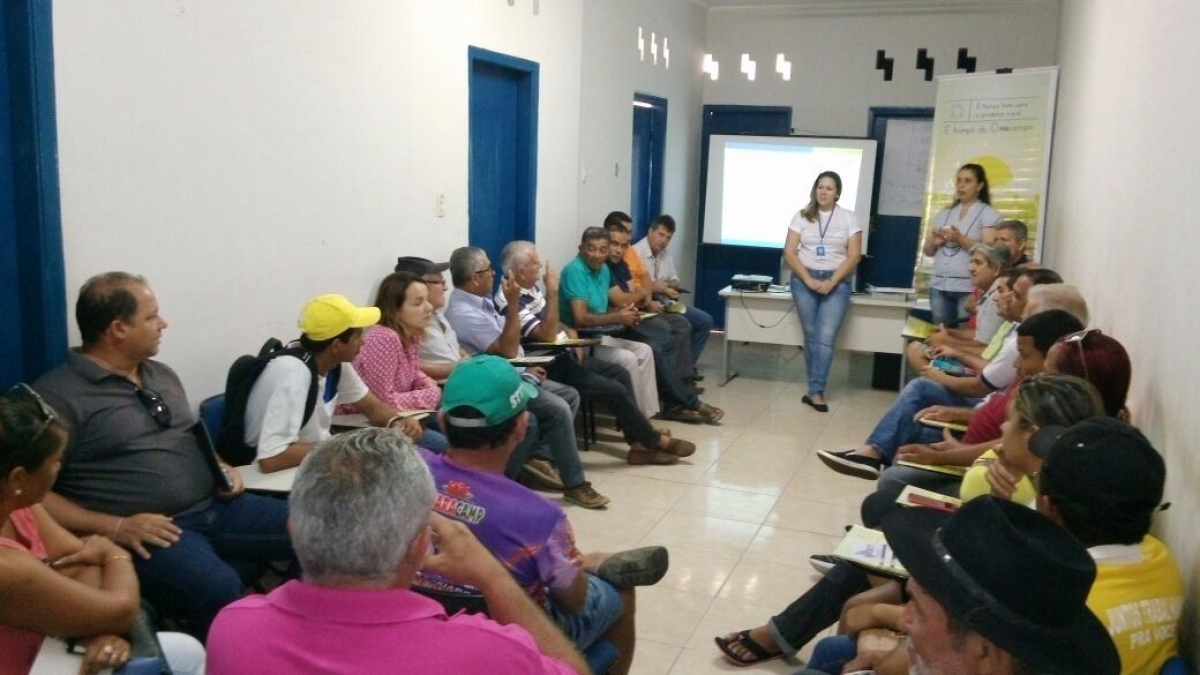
(244, 372)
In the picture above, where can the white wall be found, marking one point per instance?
(612, 72)
(1125, 149)
(832, 49)
(246, 156)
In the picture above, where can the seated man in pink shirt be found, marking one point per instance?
(361, 527)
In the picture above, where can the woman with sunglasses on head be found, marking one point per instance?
(1099, 359)
(51, 582)
(969, 220)
(823, 248)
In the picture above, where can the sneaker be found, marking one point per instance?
(637, 567)
(543, 470)
(850, 464)
(586, 496)
(822, 563)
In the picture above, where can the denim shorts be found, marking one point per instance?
(600, 611)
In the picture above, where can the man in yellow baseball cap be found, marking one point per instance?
(331, 334)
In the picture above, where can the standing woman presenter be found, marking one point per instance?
(823, 247)
(955, 229)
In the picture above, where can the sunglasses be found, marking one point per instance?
(155, 405)
(45, 412)
(1077, 339)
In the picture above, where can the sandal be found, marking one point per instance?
(685, 415)
(640, 454)
(757, 652)
(678, 447)
(710, 414)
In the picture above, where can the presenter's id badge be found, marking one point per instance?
(821, 251)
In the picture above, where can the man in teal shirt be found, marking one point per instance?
(583, 298)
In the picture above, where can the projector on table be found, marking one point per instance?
(751, 283)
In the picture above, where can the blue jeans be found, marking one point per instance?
(196, 576)
(702, 325)
(897, 425)
(948, 307)
(831, 653)
(433, 441)
(821, 317)
(553, 433)
(600, 611)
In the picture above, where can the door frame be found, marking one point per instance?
(527, 144)
(645, 210)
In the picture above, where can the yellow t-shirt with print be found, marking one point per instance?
(1140, 603)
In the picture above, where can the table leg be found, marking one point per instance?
(726, 376)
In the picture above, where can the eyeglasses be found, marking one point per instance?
(488, 270)
(1077, 339)
(45, 412)
(430, 281)
(155, 405)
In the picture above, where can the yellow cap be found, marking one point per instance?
(328, 316)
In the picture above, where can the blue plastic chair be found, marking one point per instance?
(212, 414)
(1175, 666)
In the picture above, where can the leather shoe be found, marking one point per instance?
(640, 454)
(819, 407)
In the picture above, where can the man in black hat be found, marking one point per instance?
(997, 588)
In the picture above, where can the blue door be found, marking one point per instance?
(503, 150)
(34, 327)
(649, 148)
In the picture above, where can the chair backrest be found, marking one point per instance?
(212, 414)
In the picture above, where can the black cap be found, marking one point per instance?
(419, 266)
(1103, 463)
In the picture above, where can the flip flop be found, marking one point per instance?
(758, 653)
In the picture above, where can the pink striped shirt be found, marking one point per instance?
(392, 371)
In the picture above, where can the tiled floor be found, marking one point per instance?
(743, 514)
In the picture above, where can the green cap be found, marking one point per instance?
(490, 385)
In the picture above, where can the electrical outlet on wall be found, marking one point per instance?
(440, 209)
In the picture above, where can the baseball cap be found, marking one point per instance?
(328, 316)
(419, 266)
(1101, 462)
(489, 385)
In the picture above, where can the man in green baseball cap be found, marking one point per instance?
(589, 596)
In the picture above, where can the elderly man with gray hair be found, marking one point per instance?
(361, 525)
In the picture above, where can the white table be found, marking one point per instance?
(770, 318)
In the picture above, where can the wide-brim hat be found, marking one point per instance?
(1011, 575)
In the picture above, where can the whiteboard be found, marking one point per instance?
(905, 167)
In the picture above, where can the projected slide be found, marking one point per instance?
(756, 184)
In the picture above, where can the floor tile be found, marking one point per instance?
(725, 503)
(668, 616)
(696, 571)
(702, 532)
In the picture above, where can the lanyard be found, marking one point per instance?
(822, 230)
